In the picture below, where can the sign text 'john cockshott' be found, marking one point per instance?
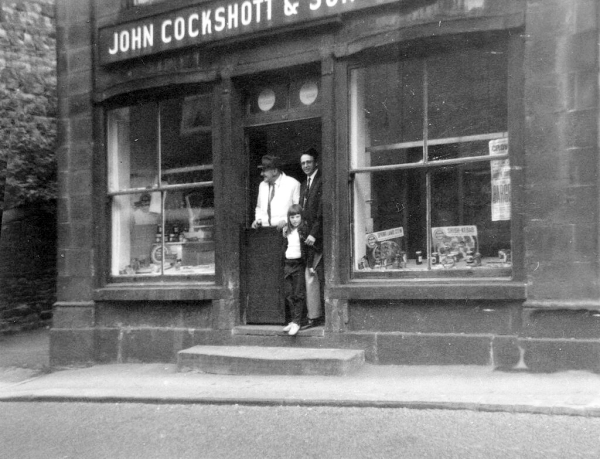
(214, 21)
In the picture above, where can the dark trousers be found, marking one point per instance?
(295, 290)
(320, 269)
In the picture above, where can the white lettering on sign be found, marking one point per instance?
(206, 23)
(246, 13)
(220, 19)
(132, 39)
(314, 5)
(164, 36)
(190, 25)
(180, 28)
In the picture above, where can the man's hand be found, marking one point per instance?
(310, 240)
(256, 224)
(281, 224)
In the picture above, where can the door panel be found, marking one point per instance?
(263, 293)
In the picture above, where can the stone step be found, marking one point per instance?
(274, 330)
(261, 360)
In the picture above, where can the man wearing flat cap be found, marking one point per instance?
(276, 193)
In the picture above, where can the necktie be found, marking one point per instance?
(306, 192)
(271, 194)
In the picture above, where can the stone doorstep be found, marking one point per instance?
(245, 360)
(275, 330)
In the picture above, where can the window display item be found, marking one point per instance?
(455, 244)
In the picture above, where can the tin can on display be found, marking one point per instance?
(504, 255)
(419, 257)
(470, 258)
(435, 258)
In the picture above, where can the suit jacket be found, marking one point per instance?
(313, 208)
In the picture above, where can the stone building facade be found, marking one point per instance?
(27, 143)
(434, 253)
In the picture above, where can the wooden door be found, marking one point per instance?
(263, 276)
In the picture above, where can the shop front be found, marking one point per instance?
(425, 115)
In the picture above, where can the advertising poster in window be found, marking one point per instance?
(455, 242)
(500, 181)
(383, 249)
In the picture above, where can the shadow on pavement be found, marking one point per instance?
(24, 355)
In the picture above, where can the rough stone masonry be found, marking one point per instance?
(27, 144)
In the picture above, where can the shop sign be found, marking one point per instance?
(213, 21)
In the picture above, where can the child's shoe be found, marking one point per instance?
(287, 327)
(294, 328)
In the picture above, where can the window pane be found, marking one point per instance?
(386, 113)
(444, 151)
(186, 140)
(391, 156)
(462, 224)
(305, 92)
(467, 92)
(136, 222)
(264, 98)
(393, 102)
(390, 220)
(168, 231)
(189, 231)
(132, 147)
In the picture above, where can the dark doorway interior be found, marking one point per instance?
(285, 140)
(262, 270)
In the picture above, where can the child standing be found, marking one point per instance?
(295, 264)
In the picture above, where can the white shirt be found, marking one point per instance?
(293, 251)
(287, 192)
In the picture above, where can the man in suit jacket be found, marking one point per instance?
(310, 200)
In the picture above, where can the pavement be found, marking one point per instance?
(26, 377)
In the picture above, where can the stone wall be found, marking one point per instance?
(27, 144)
(561, 151)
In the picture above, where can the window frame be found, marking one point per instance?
(131, 100)
(348, 272)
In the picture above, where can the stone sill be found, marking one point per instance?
(557, 304)
(155, 292)
(459, 290)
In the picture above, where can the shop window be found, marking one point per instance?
(430, 174)
(161, 187)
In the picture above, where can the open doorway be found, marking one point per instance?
(287, 141)
(263, 270)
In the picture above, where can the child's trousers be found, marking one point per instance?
(295, 289)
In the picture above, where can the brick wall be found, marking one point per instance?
(27, 117)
